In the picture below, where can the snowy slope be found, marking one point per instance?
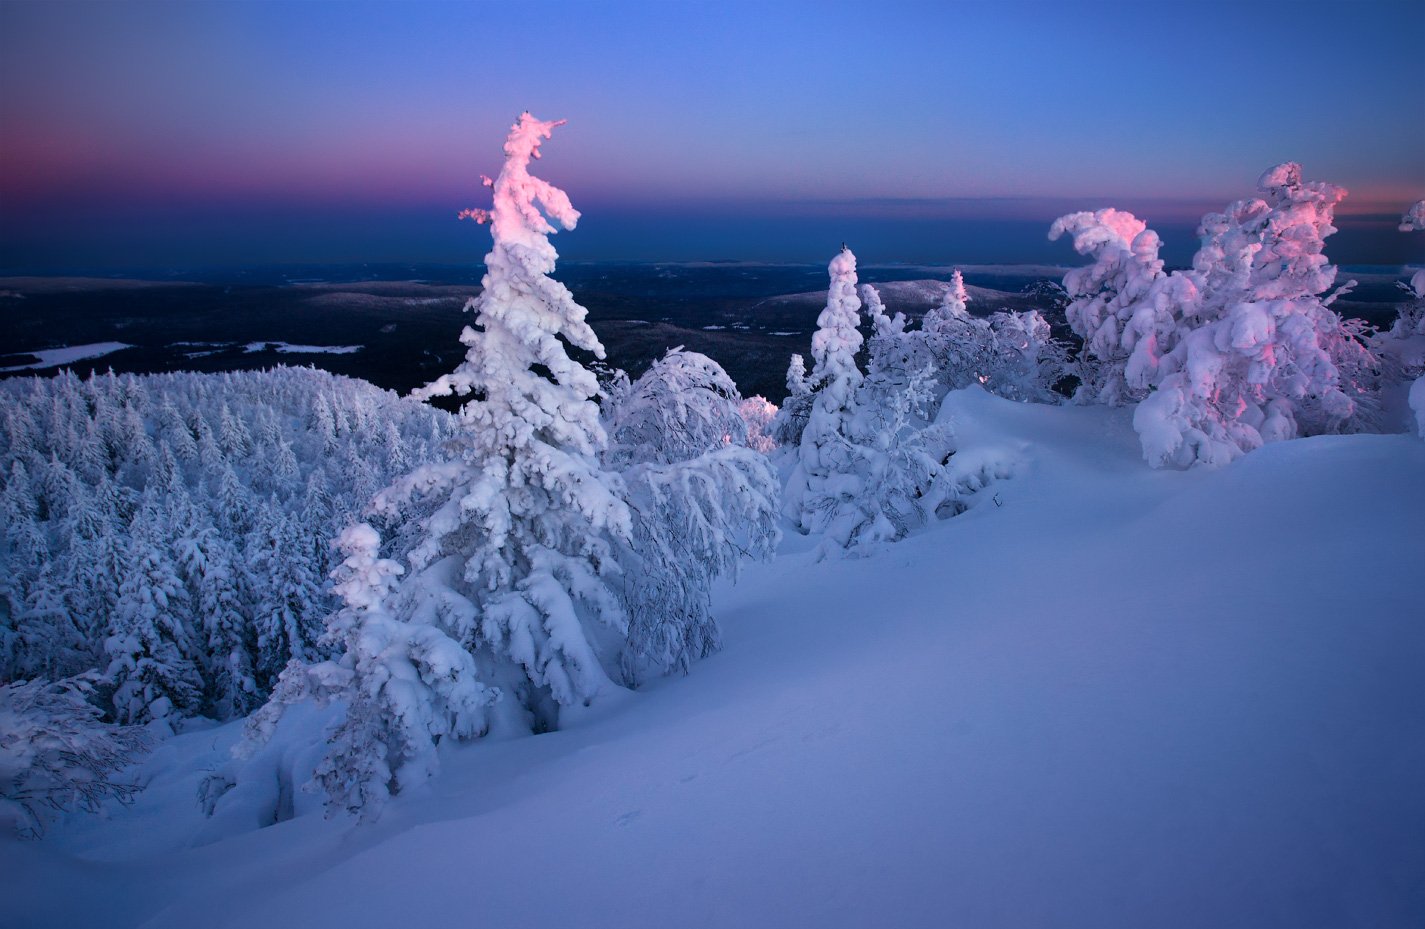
(1122, 697)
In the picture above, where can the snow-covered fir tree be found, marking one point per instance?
(791, 419)
(1259, 356)
(408, 685)
(827, 491)
(524, 506)
(549, 566)
(1240, 350)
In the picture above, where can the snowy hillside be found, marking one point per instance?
(1104, 696)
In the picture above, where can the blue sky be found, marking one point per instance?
(216, 132)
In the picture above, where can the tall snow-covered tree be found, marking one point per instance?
(526, 508)
(828, 490)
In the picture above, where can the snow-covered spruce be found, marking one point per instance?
(170, 531)
(872, 465)
(56, 754)
(1241, 350)
(827, 491)
(791, 419)
(541, 577)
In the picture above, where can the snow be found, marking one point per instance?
(1122, 697)
(67, 354)
(290, 349)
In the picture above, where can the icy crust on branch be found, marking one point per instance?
(1241, 350)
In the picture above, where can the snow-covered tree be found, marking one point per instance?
(1259, 354)
(1107, 299)
(683, 405)
(700, 501)
(828, 490)
(1243, 349)
(760, 415)
(524, 505)
(1023, 361)
(56, 754)
(408, 686)
(791, 420)
(1403, 347)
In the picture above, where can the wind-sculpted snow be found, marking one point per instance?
(169, 532)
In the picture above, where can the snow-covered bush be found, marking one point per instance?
(1011, 354)
(1120, 306)
(759, 414)
(56, 754)
(171, 530)
(683, 405)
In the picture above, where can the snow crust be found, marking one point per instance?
(1111, 696)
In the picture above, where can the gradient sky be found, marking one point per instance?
(214, 133)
